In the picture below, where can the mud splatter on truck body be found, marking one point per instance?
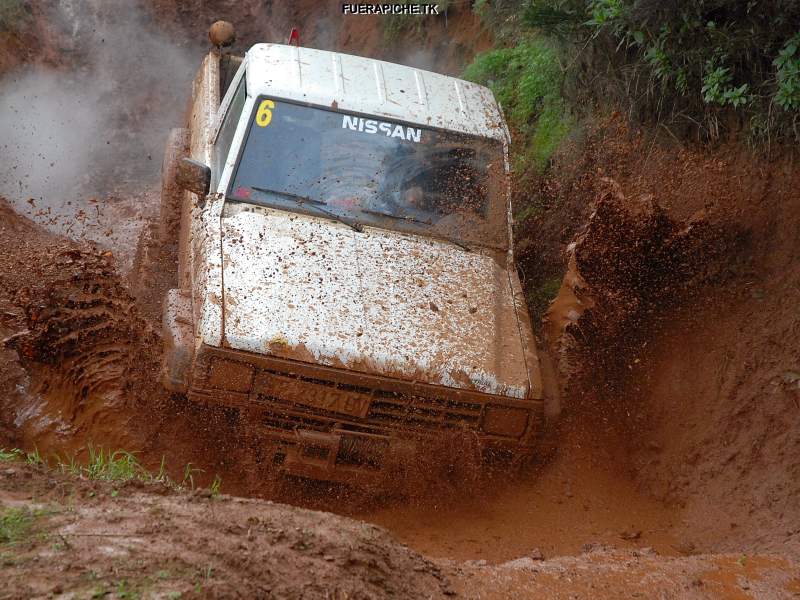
(348, 340)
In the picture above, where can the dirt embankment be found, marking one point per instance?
(131, 540)
(64, 536)
(683, 326)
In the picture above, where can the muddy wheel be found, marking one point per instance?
(170, 214)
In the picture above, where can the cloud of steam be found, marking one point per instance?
(97, 126)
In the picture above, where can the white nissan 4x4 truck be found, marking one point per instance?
(346, 279)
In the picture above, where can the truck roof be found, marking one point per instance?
(373, 87)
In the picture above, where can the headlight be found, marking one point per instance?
(230, 375)
(502, 420)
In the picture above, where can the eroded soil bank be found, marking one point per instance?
(689, 350)
(78, 538)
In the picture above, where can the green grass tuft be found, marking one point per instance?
(15, 525)
(31, 458)
(13, 454)
(113, 466)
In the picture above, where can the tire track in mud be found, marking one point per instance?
(76, 331)
(79, 363)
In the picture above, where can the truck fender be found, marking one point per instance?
(177, 147)
(177, 333)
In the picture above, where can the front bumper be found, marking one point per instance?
(334, 424)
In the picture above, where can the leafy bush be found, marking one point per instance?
(718, 87)
(699, 63)
(788, 75)
(526, 80)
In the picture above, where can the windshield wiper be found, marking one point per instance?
(461, 245)
(315, 204)
(379, 213)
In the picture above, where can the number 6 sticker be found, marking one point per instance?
(264, 114)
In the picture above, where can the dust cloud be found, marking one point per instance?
(95, 127)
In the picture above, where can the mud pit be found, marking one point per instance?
(82, 371)
(79, 368)
(587, 496)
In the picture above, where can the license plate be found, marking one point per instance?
(316, 396)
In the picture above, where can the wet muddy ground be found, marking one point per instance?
(676, 470)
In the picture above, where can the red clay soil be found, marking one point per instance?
(98, 539)
(124, 539)
(704, 388)
(607, 447)
(679, 434)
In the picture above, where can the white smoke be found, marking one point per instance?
(98, 126)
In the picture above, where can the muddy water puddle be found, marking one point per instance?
(583, 498)
(568, 506)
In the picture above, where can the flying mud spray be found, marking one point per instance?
(82, 141)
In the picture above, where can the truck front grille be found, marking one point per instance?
(388, 411)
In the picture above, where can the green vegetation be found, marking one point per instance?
(6, 455)
(107, 465)
(32, 458)
(704, 67)
(788, 75)
(527, 80)
(216, 485)
(15, 524)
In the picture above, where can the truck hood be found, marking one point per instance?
(379, 302)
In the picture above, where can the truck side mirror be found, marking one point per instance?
(193, 176)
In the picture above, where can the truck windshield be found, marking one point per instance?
(374, 172)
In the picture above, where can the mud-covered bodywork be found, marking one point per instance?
(344, 333)
(379, 301)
